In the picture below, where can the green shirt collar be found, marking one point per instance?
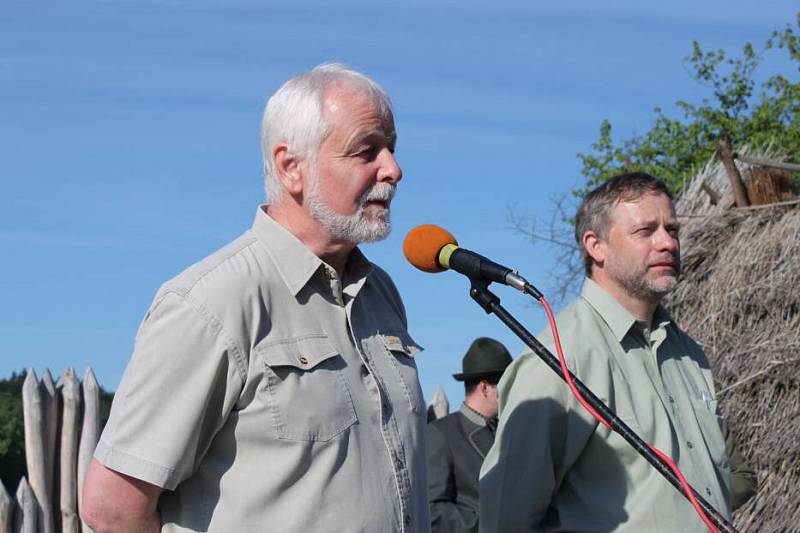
(618, 319)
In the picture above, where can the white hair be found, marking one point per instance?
(294, 115)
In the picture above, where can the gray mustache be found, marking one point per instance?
(382, 192)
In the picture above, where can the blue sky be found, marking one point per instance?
(129, 141)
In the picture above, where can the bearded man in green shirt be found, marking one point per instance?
(555, 468)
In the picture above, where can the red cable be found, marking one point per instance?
(664, 457)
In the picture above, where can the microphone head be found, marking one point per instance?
(422, 245)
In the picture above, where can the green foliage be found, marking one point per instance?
(12, 430)
(675, 149)
(12, 437)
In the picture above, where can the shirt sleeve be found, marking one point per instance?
(531, 452)
(180, 385)
(744, 482)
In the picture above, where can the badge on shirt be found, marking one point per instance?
(710, 402)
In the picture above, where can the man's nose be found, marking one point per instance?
(666, 240)
(389, 168)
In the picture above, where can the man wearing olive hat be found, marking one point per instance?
(458, 442)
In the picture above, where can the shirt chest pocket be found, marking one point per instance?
(307, 394)
(712, 429)
(401, 350)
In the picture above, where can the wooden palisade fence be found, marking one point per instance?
(62, 427)
(439, 406)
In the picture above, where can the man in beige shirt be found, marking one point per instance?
(273, 385)
(552, 466)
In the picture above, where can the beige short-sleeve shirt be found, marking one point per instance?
(265, 394)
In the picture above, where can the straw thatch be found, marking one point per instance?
(740, 299)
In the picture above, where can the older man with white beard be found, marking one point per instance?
(555, 468)
(273, 384)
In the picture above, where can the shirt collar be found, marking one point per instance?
(472, 415)
(618, 319)
(661, 317)
(295, 263)
(358, 267)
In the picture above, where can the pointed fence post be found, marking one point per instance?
(51, 405)
(439, 404)
(35, 429)
(70, 391)
(26, 512)
(90, 432)
(6, 510)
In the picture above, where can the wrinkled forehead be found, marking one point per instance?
(341, 99)
(651, 206)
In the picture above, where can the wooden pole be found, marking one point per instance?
(26, 512)
(51, 411)
(71, 396)
(90, 432)
(439, 403)
(725, 154)
(791, 167)
(33, 415)
(6, 510)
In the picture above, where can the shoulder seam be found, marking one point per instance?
(252, 240)
(219, 329)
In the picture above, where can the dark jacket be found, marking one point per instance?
(457, 445)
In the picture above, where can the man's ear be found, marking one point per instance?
(595, 246)
(288, 168)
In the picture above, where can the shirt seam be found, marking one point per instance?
(216, 326)
(211, 319)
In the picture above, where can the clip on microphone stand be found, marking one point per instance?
(479, 291)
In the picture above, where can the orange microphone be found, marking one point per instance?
(434, 249)
(423, 244)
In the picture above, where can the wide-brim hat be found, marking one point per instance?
(485, 358)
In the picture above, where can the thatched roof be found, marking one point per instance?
(740, 299)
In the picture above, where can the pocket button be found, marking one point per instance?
(303, 360)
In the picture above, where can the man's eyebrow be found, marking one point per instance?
(376, 134)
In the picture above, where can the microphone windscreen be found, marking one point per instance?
(422, 245)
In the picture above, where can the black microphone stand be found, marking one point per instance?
(479, 291)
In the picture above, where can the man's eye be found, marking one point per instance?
(367, 151)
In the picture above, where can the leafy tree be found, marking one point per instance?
(12, 438)
(676, 148)
(763, 116)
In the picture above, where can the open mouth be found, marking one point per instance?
(383, 204)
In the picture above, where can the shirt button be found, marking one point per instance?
(671, 399)
(689, 444)
(407, 520)
(708, 491)
(399, 464)
(303, 360)
(364, 370)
